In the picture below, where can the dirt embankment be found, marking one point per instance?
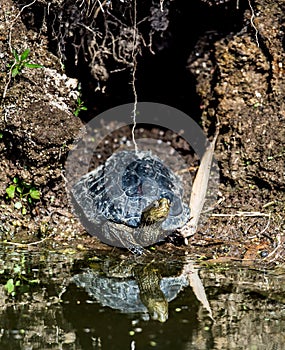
(240, 80)
(37, 128)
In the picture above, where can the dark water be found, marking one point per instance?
(53, 306)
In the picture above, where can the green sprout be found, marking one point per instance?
(20, 62)
(80, 107)
(26, 193)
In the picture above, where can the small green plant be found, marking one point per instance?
(18, 280)
(80, 107)
(20, 62)
(26, 193)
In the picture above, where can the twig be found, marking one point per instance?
(9, 81)
(241, 213)
(100, 8)
(267, 225)
(273, 253)
(268, 204)
(27, 244)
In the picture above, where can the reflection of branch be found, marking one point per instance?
(197, 286)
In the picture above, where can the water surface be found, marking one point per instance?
(50, 309)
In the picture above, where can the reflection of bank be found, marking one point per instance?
(135, 287)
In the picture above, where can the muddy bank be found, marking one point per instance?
(238, 75)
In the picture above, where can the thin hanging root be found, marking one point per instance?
(252, 22)
(10, 46)
(134, 112)
(134, 70)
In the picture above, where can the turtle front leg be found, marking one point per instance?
(120, 235)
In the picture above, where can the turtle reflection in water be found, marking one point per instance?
(133, 287)
(131, 201)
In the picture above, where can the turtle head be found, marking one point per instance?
(158, 309)
(157, 211)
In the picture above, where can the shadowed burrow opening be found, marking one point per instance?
(166, 40)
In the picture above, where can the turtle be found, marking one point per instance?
(132, 286)
(133, 200)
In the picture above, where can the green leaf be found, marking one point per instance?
(18, 283)
(1, 135)
(24, 211)
(35, 194)
(15, 71)
(19, 189)
(83, 108)
(25, 54)
(17, 269)
(33, 65)
(26, 185)
(18, 205)
(34, 281)
(9, 286)
(15, 55)
(11, 191)
(16, 180)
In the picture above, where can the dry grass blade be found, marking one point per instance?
(199, 190)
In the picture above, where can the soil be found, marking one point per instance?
(240, 85)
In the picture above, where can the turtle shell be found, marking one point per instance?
(123, 294)
(128, 182)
